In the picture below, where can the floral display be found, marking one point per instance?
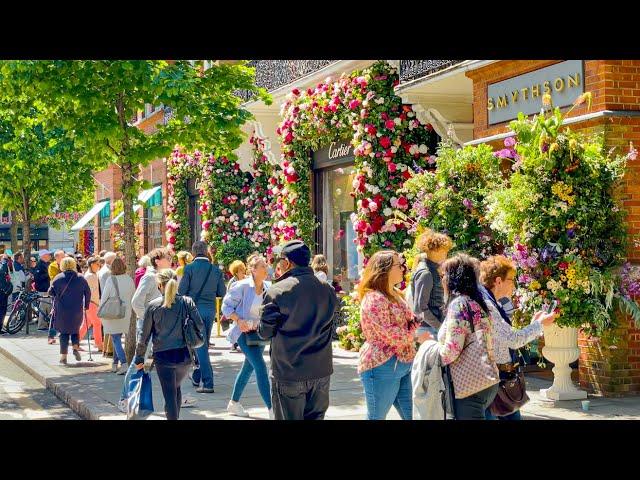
(180, 168)
(389, 143)
(451, 199)
(350, 335)
(563, 219)
(220, 206)
(257, 202)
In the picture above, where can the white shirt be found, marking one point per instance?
(321, 275)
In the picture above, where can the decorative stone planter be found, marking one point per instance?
(561, 348)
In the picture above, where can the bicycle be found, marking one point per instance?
(24, 310)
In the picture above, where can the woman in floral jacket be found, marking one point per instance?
(388, 326)
(466, 341)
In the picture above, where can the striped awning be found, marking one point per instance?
(89, 215)
(143, 197)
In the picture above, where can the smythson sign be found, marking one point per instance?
(337, 153)
(564, 81)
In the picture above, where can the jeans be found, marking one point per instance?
(474, 406)
(64, 341)
(513, 416)
(171, 376)
(4, 300)
(386, 385)
(304, 400)
(204, 372)
(118, 351)
(253, 360)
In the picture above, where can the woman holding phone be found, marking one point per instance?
(497, 275)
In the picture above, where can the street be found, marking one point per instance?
(22, 397)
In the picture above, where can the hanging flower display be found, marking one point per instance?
(180, 168)
(389, 142)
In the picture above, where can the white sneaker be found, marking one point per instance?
(114, 367)
(188, 402)
(122, 406)
(272, 416)
(123, 369)
(236, 408)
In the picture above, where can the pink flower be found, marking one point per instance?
(389, 124)
(370, 129)
(509, 142)
(392, 167)
(353, 104)
(385, 142)
(403, 203)
(373, 206)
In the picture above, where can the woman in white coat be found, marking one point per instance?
(116, 327)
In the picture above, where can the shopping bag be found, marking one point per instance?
(139, 396)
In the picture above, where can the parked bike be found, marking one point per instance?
(24, 310)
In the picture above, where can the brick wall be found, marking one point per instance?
(615, 85)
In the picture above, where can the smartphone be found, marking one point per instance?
(552, 307)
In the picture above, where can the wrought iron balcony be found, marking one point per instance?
(412, 69)
(273, 74)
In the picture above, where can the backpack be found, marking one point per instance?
(6, 287)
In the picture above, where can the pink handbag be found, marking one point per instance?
(475, 369)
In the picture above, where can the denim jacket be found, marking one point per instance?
(238, 300)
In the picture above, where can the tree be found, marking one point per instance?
(41, 171)
(96, 100)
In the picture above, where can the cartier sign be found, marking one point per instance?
(564, 81)
(336, 153)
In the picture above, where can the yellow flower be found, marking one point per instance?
(546, 99)
(535, 285)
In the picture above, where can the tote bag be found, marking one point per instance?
(139, 396)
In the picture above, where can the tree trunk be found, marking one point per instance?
(26, 225)
(13, 230)
(129, 249)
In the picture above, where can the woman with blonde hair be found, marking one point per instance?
(163, 325)
(320, 267)
(71, 297)
(238, 271)
(242, 304)
(388, 326)
(426, 292)
(184, 259)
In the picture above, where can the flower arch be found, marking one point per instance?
(389, 142)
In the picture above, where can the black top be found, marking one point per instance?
(297, 316)
(428, 294)
(41, 276)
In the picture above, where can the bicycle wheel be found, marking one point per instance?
(17, 320)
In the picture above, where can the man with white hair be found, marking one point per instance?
(105, 272)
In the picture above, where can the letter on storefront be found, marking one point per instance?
(502, 101)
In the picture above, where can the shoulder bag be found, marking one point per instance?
(511, 396)
(113, 308)
(193, 336)
(253, 339)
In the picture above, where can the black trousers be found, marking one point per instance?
(305, 400)
(171, 376)
(474, 406)
(64, 341)
(4, 301)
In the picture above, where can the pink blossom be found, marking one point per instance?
(389, 124)
(353, 104)
(392, 167)
(509, 142)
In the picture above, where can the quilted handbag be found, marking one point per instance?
(474, 370)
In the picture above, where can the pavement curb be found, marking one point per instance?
(63, 390)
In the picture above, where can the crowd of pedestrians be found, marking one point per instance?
(452, 312)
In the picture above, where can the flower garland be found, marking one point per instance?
(389, 143)
(180, 168)
(258, 200)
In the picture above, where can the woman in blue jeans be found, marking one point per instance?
(242, 305)
(388, 326)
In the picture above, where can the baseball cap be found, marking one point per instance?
(44, 251)
(295, 251)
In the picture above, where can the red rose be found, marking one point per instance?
(365, 203)
(403, 202)
(389, 124)
(563, 265)
(385, 142)
(406, 174)
(392, 167)
(295, 91)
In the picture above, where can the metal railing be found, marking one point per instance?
(412, 69)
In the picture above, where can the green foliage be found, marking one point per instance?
(452, 198)
(350, 335)
(238, 248)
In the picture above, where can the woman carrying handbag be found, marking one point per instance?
(497, 275)
(165, 323)
(242, 305)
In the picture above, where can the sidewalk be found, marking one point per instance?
(92, 391)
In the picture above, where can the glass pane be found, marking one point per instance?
(342, 256)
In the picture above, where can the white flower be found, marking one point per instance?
(387, 212)
(397, 120)
(423, 149)
(394, 149)
(365, 103)
(379, 100)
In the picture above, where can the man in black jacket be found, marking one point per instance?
(42, 284)
(297, 316)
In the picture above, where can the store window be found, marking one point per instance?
(334, 173)
(155, 219)
(105, 227)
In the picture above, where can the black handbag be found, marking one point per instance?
(511, 396)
